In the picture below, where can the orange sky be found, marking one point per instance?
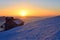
(32, 11)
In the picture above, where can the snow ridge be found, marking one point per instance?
(46, 29)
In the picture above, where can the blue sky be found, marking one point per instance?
(42, 3)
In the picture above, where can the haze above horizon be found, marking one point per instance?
(29, 7)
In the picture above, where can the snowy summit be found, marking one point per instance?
(46, 29)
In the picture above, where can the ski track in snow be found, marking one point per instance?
(47, 29)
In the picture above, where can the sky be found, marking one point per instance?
(32, 7)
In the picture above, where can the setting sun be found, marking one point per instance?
(23, 13)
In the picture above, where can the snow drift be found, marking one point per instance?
(46, 29)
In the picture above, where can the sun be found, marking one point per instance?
(23, 12)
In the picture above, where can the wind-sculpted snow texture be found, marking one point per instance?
(47, 29)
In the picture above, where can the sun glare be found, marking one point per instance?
(23, 13)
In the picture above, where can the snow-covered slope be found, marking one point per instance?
(47, 29)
